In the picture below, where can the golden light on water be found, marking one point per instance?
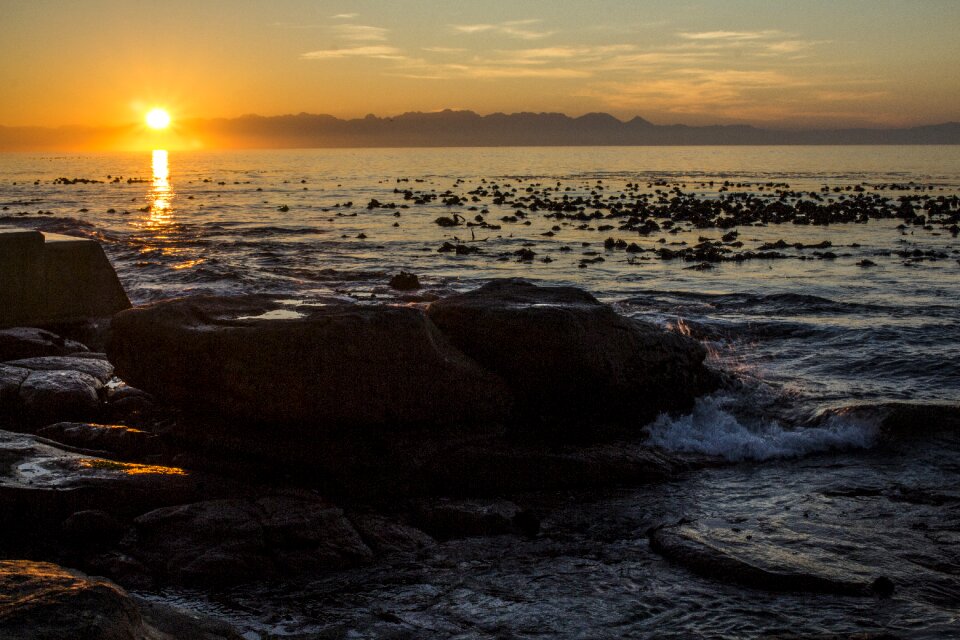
(158, 119)
(161, 196)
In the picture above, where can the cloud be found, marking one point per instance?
(344, 16)
(513, 28)
(730, 36)
(382, 52)
(444, 49)
(361, 33)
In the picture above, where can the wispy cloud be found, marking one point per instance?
(344, 16)
(361, 33)
(382, 52)
(443, 49)
(730, 36)
(521, 29)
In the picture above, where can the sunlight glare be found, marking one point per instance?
(158, 119)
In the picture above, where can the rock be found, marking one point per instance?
(449, 519)
(404, 281)
(41, 486)
(120, 441)
(91, 527)
(903, 420)
(218, 543)
(339, 365)
(27, 342)
(497, 469)
(183, 625)
(47, 278)
(10, 380)
(94, 367)
(42, 601)
(50, 388)
(48, 396)
(214, 543)
(750, 558)
(385, 536)
(567, 356)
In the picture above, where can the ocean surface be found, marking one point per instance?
(820, 278)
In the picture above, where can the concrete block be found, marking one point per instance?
(48, 278)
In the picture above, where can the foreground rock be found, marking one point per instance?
(750, 558)
(340, 365)
(224, 542)
(43, 601)
(42, 485)
(566, 355)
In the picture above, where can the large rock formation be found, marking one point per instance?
(256, 360)
(566, 355)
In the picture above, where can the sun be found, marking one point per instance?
(158, 119)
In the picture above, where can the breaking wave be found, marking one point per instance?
(712, 429)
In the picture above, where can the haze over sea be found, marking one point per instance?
(864, 313)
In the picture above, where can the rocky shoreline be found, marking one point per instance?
(254, 439)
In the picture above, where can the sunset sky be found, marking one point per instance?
(766, 62)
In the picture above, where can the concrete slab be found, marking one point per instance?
(53, 278)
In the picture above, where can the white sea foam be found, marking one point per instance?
(711, 429)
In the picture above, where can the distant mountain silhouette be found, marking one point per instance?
(466, 128)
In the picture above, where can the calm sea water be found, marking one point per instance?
(802, 335)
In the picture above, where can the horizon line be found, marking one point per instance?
(450, 110)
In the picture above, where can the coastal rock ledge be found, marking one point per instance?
(508, 350)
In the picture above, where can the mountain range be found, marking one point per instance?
(466, 129)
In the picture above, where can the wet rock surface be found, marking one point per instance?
(564, 354)
(43, 601)
(330, 366)
(119, 441)
(41, 485)
(760, 559)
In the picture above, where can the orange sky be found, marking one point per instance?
(765, 62)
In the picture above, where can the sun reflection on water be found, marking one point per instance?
(160, 195)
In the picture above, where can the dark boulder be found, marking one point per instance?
(29, 342)
(385, 536)
(45, 389)
(254, 359)
(566, 355)
(220, 543)
(46, 396)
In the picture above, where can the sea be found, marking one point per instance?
(837, 286)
